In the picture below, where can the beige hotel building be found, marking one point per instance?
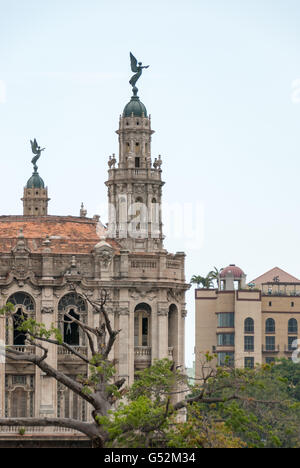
(247, 324)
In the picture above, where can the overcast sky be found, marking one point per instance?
(224, 98)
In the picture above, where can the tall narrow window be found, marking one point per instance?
(71, 329)
(270, 343)
(137, 162)
(292, 326)
(73, 305)
(270, 325)
(248, 343)
(142, 316)
(249, 325)
(19, 336)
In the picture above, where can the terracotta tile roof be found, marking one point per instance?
(269, 277)
(68, 234)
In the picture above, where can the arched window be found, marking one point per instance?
(292, 326)
(24, 307)
(270, 325)
(249, 325)
(142, 325)
(23, 300)
(73, 305)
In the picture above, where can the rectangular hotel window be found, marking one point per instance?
(249, 343)
(270, 304)
(249, 363)
(226, 339)
(226, 320)
(226, 359)
(270, 343)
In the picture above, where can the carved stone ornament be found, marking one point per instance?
(104, 253)
(163, 312)
(47, 310)
(150, 294)
(174, 295)
(123, 311)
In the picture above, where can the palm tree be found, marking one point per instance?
(197, 279)
(204, 281)
(215, 275)
(207, 282)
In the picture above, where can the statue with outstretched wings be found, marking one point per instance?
(37, 150)
(137, 68)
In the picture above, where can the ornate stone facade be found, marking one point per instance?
(40, 256)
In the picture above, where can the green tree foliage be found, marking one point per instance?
(230, 408)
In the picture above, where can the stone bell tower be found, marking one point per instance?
(134, 183)
(35, 199)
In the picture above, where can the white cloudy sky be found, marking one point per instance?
(223, 92)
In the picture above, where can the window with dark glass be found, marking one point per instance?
(226, 359)
(249, 363)
(249, 343)
(270, 325)
(226, 320)
(292, 326)
(226, 339)
(19, 336)
(270, 343)
(71, 329)
(142, 325)
(249, 325)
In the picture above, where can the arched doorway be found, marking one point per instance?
(142, 325)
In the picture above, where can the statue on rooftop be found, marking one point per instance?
(137, 68)
(37, 150)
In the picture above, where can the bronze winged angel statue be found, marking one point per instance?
(137, 68)
(36, 149)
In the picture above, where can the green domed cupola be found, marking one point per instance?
(35, 181)
(135, 107)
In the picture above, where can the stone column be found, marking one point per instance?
(162, 331)
(181, 333)
(124, 348)
(46, 399)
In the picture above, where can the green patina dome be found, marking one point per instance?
(35, 181)
(135, 107)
